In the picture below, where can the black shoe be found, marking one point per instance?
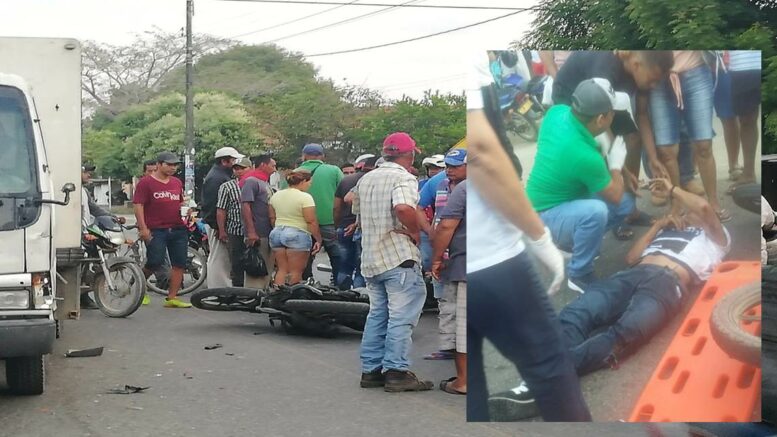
(580, 283)
(87, 303)
(513, 405)
(373, 379)
(399, 381)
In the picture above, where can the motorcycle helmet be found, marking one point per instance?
(509, 58)
(435, 161)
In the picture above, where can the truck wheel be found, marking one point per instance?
(26, 375)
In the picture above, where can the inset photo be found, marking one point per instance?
(613, 267)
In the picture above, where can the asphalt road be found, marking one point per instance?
(611, 394)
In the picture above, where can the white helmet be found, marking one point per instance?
(435, 160)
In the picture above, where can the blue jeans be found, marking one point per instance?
(697, 94)
(507, 305)
(631, 306)
(396, 300)
(579, 226)
(350, 261)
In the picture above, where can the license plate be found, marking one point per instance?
(525, 107)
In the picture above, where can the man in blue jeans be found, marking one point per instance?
(384, 204)
(577, 193)
(619, 314)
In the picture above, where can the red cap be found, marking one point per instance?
(399, 143)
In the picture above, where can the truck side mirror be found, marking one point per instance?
(67, 189)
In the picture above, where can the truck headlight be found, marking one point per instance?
(14, 299)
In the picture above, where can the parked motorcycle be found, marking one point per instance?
(117, 282)
(308, 307)
(520, 102)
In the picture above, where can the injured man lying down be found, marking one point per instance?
(617, 315)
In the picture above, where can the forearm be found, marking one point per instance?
(140, 219)
(645, 128)
(423, 223)
(408, 216)
(549, 63)
(620, 187)
(221, 219)
(248, 219)
(635, 253)
(315, 231)
(490, 170)
(337, 212)
(693, 202)
(442, 238)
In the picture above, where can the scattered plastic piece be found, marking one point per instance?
(127, 390)
(82, 353)
(210, 347)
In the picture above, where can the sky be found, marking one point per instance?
(406, 69)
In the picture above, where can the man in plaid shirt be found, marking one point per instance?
(384, 204)
(228, 219)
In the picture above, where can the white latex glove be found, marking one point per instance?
(617, 156)
(548, 254)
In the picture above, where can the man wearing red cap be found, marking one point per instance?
(384, 204)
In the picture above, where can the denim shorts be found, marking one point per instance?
(696, 85)
(173, 242)
(287, 237)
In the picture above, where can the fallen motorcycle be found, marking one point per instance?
(309, 307)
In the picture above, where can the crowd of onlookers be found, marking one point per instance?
(384, 232)
(610, 114)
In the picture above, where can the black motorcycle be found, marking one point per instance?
(309, 307)
(117, 281)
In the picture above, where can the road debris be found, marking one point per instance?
(82, 353)
(127, 390)
(210, 347)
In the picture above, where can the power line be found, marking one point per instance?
(303, 2)
(420, 37)
(337, 23)
(293, 21)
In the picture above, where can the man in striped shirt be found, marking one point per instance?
(228, 219)
(385, 204)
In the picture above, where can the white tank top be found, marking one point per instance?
(691, 248)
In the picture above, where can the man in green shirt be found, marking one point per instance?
(577, 193)
(326, 178)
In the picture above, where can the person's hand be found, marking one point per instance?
(251, 239)
(658, 170)
(145, 234)
(661, 187)
(631, 182)
(617, 155)
(223, 236)
(548, 254)
(415, 236)
(437, 267)
(316, 248)
(350, 229)
(671, 221)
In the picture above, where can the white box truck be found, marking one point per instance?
(40, 235)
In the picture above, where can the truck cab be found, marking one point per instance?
(40, 119)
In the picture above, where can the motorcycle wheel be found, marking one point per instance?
(327, 306)
(748, 197)
(193, 275)
(726, 320)
(522, 126)
(226, 299)
(130, 289)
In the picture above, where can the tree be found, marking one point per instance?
(140, 133)
(116, 77)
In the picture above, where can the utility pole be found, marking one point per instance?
(189, 159)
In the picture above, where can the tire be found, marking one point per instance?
(130, 283)
(748, 197)
(724, 324)
(226, 299)
(522, 126)
(193, 277)
(327, 306)
(26, 375)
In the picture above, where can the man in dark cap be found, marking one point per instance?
(579, 206)
(158, 198)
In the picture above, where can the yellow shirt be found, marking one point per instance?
(288, 206)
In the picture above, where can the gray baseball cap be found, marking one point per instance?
(168, 157)
(596, 96)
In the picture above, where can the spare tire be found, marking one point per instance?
(725, 324)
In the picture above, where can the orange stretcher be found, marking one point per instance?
(696, 381)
